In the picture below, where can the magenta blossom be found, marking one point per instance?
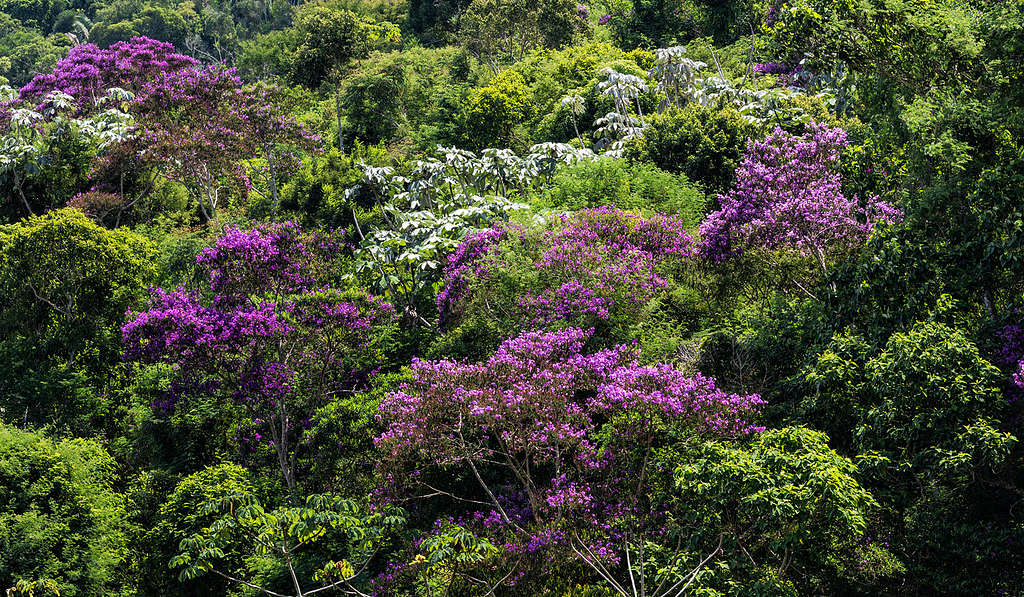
(268, 333)
(559, 443)
(589, 264)
(89, 71)
(788, 195)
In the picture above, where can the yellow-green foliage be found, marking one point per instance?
(551, 75)
(532, 90)
(494, 110)
(61, 268)
(59, 516)
(631, 187)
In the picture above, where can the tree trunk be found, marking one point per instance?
(21, 193)
(337, 109)
(275, 199)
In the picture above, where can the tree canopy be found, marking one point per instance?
(502, 298)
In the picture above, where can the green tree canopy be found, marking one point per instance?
(60, 519)
(67, 284)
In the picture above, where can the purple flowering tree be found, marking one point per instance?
(192, 134)
(267, 332)
(1010, 356)
(199, 124)
(788, 195)
(280, 140)
(563, 449)
(89, 71)
(195, 124)
(585, 269)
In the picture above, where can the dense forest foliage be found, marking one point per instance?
(648, 298)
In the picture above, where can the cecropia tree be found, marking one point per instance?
(44, 152)
(267, 332)
(564, 449)
(788, 195)
(430, 210)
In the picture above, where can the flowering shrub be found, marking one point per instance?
(587, 267)
(788, 195)
(88, 71)
(771, 68)
(466, 261)
(268, 332)
(199, 123)
(546, 429)
(1010, 356)
(98, 205)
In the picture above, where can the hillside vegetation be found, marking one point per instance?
(460, 298)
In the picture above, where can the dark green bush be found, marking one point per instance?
(705, 144)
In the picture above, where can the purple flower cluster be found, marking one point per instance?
(268, 331)
(264, 290)
(607, 17)
(526, 396)
(567, 424)
(203, 84)
(467, 261)
(788, 194)
(603, 258)
(566, 302)
(589, 263)
(772, 68)
(88, 71)
(197, 123)
(568, 494)
(193, 124)
(665, 388)
(179, 329)
(269, 258)
(1010, 356)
